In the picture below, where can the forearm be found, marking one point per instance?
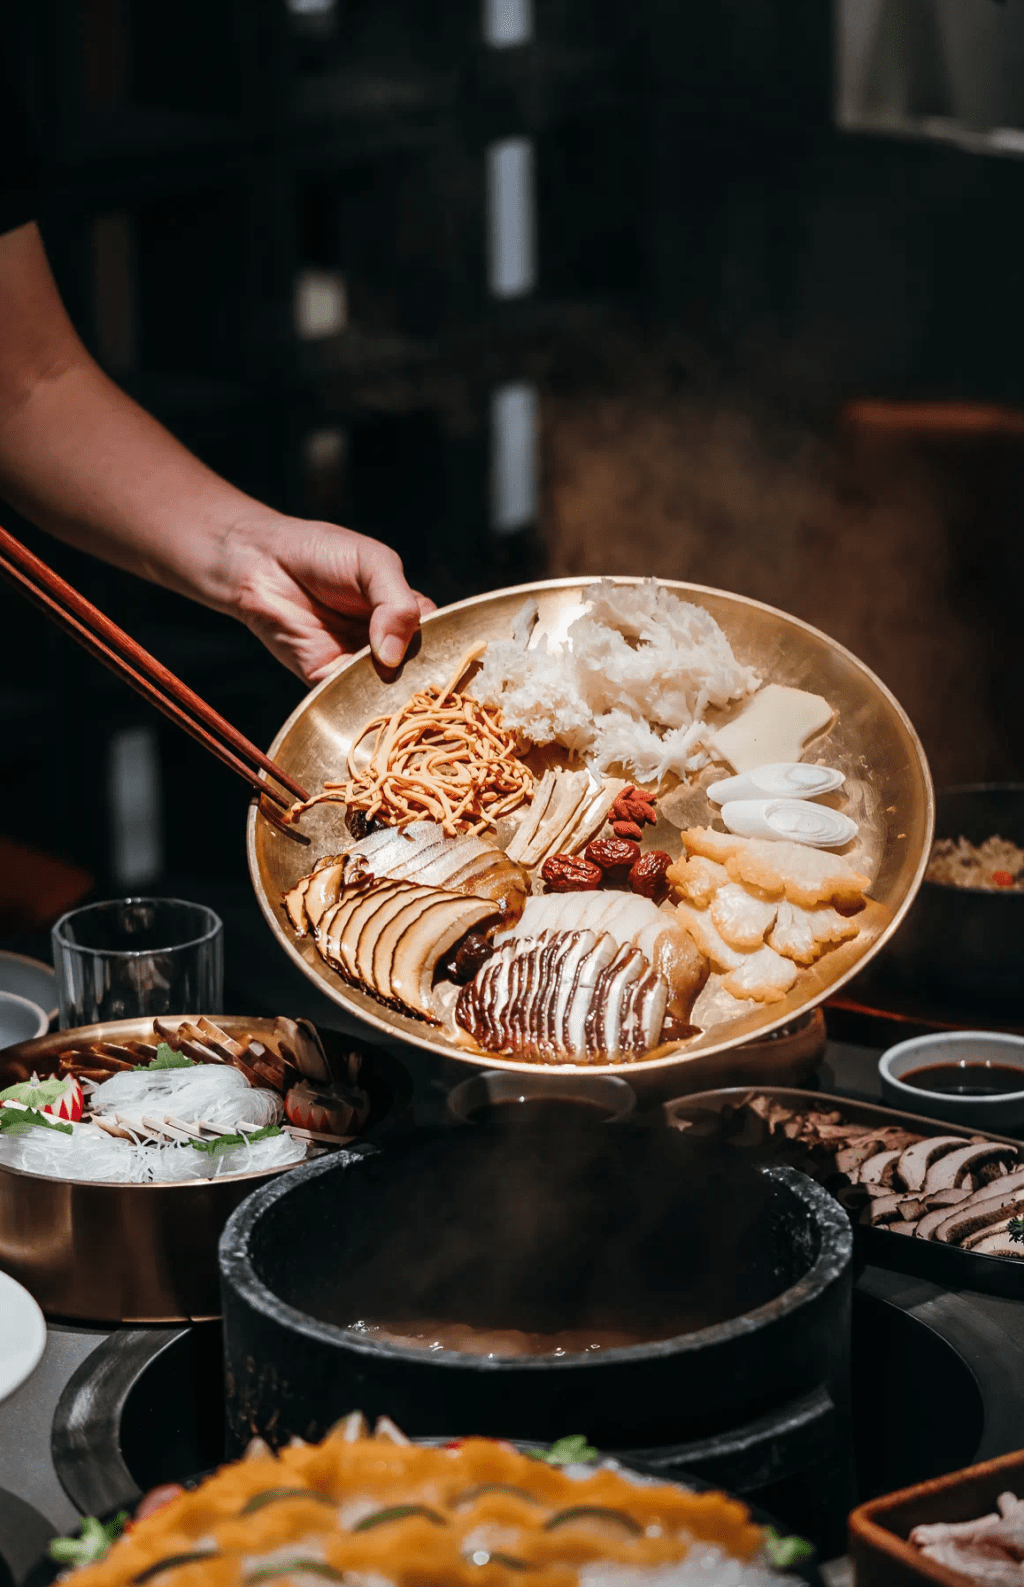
(82, 460)
(85, 462)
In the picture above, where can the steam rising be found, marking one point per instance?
(619, 1228)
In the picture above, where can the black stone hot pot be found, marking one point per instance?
(411, 1228)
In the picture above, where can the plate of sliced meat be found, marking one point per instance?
(925, 1197)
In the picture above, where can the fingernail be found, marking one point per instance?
(391, 651)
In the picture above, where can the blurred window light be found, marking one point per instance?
(511, 253)
(310, 8)
(321, 304)
(324, 450)
(136, 828)
(507, 22)
(513, 457)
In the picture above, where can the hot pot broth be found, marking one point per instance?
(531, 1242)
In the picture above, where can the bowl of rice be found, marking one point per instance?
(960, 947)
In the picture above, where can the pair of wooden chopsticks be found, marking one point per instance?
(149, 677)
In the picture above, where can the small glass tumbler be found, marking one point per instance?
(131, 957)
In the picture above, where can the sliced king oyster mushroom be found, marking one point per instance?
(915, 1162)
(782, 779)
(952, 1169)
(901, 1228)
(795, 820)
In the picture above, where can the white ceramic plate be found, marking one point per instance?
(29, 978)
(22, 1335)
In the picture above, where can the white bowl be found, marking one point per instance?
(988, 1113)
(30, 978)
(20, 1020)
(612, 1095)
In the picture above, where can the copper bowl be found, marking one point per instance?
(138, 1253)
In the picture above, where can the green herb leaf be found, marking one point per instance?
(572, 1450)
(29, 1118)
(42, 1095)
(91, 1544)
(472, 1494)
(399, 1512)
(171, 1563)
(593, 1512)
(228, 1143)
(785, 1551)
(271, 1495)
(308, 1567)
(167, 1058)
(1015, 1229)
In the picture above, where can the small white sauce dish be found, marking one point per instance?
(20, 1020)
(999, 1111)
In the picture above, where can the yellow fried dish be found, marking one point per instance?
(374, 1513)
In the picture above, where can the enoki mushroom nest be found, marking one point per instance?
(442, 757)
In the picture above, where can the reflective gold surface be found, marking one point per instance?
(116, 1253)
(871, 740)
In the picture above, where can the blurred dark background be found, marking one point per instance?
(728, 292)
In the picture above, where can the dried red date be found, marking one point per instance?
(570, 873)
(612, 854)
(647, 876)
(470, 956)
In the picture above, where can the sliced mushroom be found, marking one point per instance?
(294, 901)
(952, 1169)
(946, 1198)
(989, 1230)
(1001, 1244)
(870, 1143)
(428, 939)
(884, 1209)
(975, 1215)
(995, 1187)
(915, 1162)
(878, 1170)
(901, 1228)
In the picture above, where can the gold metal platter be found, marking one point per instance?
(888, 790)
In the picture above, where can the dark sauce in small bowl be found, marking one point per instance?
(547, 1113)
(969, 1078)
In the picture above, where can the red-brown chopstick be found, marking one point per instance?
(48, 590)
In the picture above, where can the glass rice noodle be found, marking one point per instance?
(217, 1094)
(996, 865)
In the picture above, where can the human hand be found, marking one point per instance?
(315, 592)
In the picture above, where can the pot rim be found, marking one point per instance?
(237, 1270)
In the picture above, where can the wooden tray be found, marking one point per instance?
(947, 1265)
(881, 1555)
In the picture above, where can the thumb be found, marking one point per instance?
(395, 610)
